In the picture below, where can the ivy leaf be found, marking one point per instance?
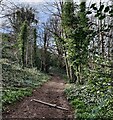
(111, 11)
(98, 14)
(95, 8)
(106, 9)
(93, 5)
(111, 15)
(89, 12)
(102, 17)
(101, 8)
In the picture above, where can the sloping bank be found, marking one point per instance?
(18, 83)
(90, 102)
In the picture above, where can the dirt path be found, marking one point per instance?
(51, 92)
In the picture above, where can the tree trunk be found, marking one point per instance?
(35, 49)
(67, 65)
(26, 60)
(23, 54)
(31, 61)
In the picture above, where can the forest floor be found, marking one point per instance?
(51, 92)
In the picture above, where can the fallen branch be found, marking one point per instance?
(49, 104)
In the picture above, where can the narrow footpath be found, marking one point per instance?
(51, 92)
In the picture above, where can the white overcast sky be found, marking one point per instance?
(36, 1)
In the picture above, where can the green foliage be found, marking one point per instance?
(21, 19)
(14, 76)
(106, 9)
(23, 40)
(93, 100)
(93, 6)
(55, 70)
(77, 36)
(68, 14)
(12, 95)
(7, 47)
(21, 14)
(18, 82)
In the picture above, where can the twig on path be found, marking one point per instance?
(49, 104)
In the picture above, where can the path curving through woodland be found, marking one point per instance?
(51, 92)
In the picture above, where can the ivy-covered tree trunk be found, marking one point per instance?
(31, 55)
(67, 64)
(67, 23)
(76, 31)
(23, 39)
(27, 53)
(112, 61)
(35, 48)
